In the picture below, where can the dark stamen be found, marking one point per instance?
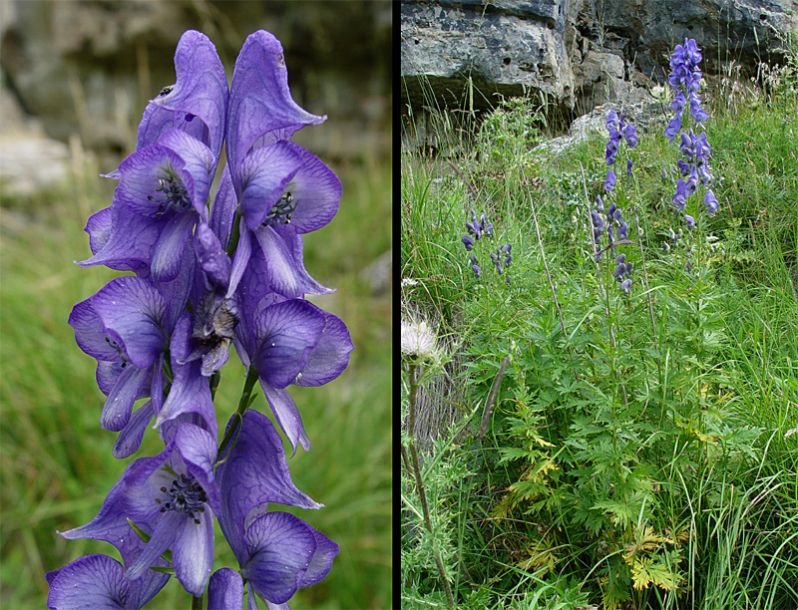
(283, 210)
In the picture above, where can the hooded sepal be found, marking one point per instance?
(197, 102)
(261, 110)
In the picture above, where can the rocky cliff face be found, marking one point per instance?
(90, 66)
(578, 53)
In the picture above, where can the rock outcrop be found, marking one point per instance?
(577, 53)
(90, 66)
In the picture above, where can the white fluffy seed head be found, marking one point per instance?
(418, 339)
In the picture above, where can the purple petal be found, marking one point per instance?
(141, 184)
(98, 582)
(119, 404)
(176, 292)
(287, 333)
(264, 175)
(156, 386)
(98, 226)
(253, 473)
(200, 90)
(107, 374)
(321, 562)
(240, 258)
(226, 590)
(129, 439)
(161, 539)
(94, 581)
(168, 253)
(330, 356)
(287, 415)
(261, 109)
(199, 162)
(211, 256)
(132, 496)
(281, 547)
(224, 207)
(316, 191)
(197, 448)
(192, 553)
(129, 243)
(90, 333)
(133, 310)
(282, 250)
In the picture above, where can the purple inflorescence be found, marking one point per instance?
(477, 230)
(612, 223)
(694, 167)
(209, 272)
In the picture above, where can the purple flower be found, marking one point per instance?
(626, 285)
(123, 327)
(508, 257)
(284, 192)
(609, 183)
(690, 221)
(710, 202)
(474, 266)
(289, 342)
(497, 261)
(674, 126)
(680, 198)
(162, 193)
(172, 498)
(261, 109)
(630, 135)
(468, 243)
(629, 167)
(189, 394)
(98, 581)
(278, 553)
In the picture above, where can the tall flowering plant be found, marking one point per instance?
(208, 273)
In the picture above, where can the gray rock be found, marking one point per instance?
(30, 163)
(378, 273)
(506, 50)
(89, 67)
(578, 53)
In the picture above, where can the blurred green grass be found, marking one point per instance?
(56, 464)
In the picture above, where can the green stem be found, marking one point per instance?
(243, 405)
(196, 603)
(411, 425)
(231, 247)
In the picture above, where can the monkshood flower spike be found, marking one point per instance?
(694, 167)
(210, 271)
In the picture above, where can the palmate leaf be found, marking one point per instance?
(647, 571)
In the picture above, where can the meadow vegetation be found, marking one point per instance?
(639, 451)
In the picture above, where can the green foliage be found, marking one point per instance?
(636, 456)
